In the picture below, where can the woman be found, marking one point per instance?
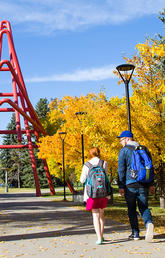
(97, 205)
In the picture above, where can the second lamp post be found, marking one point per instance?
(80, 117)
(62, 136)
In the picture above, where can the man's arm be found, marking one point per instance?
(121, 169)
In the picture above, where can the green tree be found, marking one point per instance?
(43, 111)
(10, 158)
(42, 108)
(17, 161)
(162, 15)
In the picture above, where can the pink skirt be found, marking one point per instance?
(96, 203)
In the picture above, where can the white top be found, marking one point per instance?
(94, 161)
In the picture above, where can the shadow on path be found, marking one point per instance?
(34, 211)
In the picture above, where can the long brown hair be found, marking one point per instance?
(94, 152)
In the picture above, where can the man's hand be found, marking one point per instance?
(121, 191)
(152, 190)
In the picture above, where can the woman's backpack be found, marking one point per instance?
(97, 185)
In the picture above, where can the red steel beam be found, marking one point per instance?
(14, 131)
(17, 114)
(5, 69)
(52, 191)
(9, 101)
(20, 82)
(31, 109)
(7, 110)
(21, 146)
(7, 94)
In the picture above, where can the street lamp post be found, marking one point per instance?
(80, 116)
(125, 72)
(6, 182)
(62, 136)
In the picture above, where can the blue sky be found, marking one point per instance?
(71, 47)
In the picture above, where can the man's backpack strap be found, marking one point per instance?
(139, 147)
(131, 147)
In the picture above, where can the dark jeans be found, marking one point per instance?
(139, 196)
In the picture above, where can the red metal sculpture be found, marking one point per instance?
(19, 103)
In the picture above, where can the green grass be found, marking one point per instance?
(16, 190)
(59, 190)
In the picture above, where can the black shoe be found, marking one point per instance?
(134, 236)
(131, 237)
(84, 204)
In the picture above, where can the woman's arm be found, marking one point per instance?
(84, 174)
(105, 166)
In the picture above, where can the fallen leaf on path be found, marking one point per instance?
(140, 252)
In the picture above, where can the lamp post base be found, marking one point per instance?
(78, 197)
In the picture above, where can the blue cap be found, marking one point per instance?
(125, 134)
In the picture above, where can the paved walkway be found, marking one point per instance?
(41, 227)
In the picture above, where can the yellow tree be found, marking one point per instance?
(100, 127)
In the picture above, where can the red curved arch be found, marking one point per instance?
(21, 105)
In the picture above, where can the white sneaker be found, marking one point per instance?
(149, 232)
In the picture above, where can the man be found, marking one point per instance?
(134, 191)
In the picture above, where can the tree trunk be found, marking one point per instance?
(162, 202)
(162, 190)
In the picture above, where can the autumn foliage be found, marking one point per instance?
(105, 119)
